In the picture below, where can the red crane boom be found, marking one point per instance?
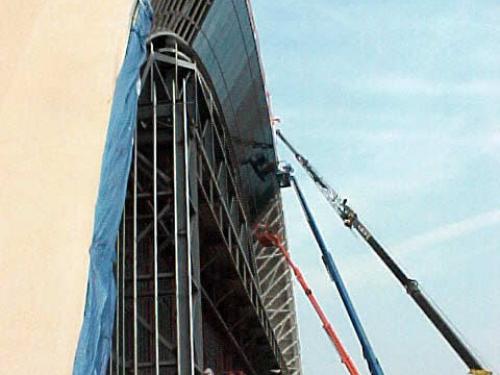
(266, 238)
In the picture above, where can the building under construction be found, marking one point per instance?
(160, 110)
(203, 173)
(195, 291)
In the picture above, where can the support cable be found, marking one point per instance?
(368, 353)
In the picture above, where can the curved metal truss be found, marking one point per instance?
(188, 289)
(277, 291)
(182, 17)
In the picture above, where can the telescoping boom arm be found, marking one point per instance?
(267, 239)
(368, 352)
(351, 220)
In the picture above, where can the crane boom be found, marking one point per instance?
(351, 220)
(267, 239)
(368, 352)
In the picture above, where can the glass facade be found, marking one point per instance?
(225, 45)
(219, 36)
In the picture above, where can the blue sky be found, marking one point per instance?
(397, 103)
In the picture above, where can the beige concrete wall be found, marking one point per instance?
(58, 63)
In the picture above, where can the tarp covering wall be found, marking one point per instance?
(59, 62)
(94, 345)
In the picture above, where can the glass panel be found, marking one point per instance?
(226, 46)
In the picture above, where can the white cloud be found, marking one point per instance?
(360, 272)
(408, 85)
(492, 145)
(448, 232)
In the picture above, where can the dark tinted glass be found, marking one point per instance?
(227, 48)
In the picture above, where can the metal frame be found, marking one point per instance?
(219, 191)
(182, 185)
(183, 17)
(153, 269)
(277, 291)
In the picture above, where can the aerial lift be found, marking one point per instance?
(333, 272)
(351, 220)
(268, 239)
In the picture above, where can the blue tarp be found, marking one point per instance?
(94, 345)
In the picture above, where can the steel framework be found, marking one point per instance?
(276, 288)
(189, 296)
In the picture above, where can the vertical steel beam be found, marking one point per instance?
(124, 246)
(116, 352)
(134, 255)
(155, 224)
(191, 94)
(185, 350)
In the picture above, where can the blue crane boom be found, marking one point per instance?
(351, 220)
(333, 272)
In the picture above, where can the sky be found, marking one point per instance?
(397, 104)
